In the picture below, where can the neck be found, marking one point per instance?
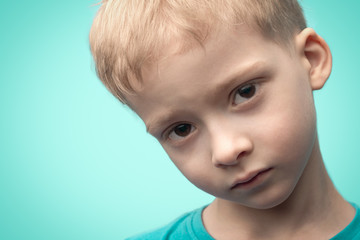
(313, 205)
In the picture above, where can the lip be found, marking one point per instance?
(249, 180)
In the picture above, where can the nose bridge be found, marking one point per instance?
(229, 142)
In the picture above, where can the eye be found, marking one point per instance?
(244, 93)
(180, 131)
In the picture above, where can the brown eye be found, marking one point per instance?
(244, 93)
(181, 131)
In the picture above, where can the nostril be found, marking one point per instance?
(229, 160)
(229, 152)
(242, 154)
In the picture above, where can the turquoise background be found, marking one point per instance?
(76, 164)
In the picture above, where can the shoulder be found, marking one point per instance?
(352, 231)
(187, 226)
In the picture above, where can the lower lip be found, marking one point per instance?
(255, 181)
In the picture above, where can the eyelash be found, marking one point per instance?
(247, 100)
(171, 130)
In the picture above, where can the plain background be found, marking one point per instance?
(76, 164)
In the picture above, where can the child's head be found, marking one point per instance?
(235, 113)
(126, 34)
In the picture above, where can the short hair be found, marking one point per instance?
(126, 34)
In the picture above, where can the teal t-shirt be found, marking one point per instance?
(190, 227)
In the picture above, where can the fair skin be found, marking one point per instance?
(237, 118)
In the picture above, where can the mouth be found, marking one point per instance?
(250, 179)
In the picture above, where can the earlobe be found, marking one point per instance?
(317, 56)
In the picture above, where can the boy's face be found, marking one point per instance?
(237, 117)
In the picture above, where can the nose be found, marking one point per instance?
(229, 147)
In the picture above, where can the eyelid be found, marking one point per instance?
(257, 82)
(166, 133)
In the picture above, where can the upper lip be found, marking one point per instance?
(248, 177)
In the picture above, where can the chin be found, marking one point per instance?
(266, 204)
(267, 201)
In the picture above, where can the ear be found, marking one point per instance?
(316, 55)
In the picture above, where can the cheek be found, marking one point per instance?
(194, 164)
(290, 131)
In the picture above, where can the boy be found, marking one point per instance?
(226, 88)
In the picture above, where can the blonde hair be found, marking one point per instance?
(128, 33)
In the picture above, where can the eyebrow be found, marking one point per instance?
(243, 72)
(156, 122)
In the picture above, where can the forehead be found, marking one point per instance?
(176, 81)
